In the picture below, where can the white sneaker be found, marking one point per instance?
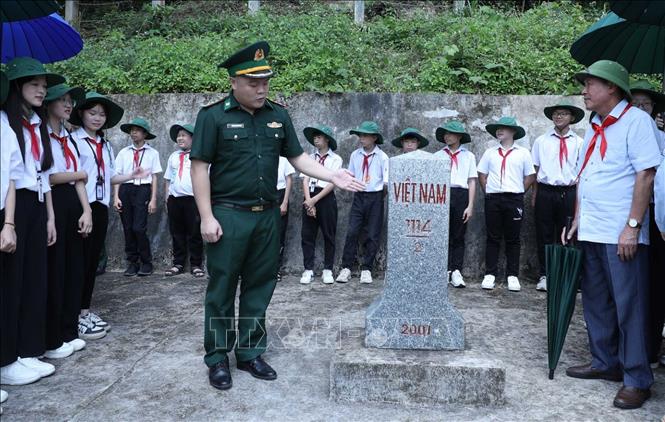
(77, 344)
(456, 279)
(366, 276)
(327, 277)
(488, 282)
(513, 284)
(3, 396)
(344, 275)
(43, 369)
(61, 352)
(542, 284)
(17, 374)
(306, 277)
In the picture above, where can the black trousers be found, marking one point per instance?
(554, 204)
(185, 227)
(134, 217)
(366, 214)
(326, 220)
(24, 283)
(283, 224)
(65, 269)
(503, 220)
(459, 200)
(92, 250)
(656, 288)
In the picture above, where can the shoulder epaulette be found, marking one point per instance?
(277, 103)
(215, 102)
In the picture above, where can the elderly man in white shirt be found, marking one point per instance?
(616, 170)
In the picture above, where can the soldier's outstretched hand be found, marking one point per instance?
(344, 179)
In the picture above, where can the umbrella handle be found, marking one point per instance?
(551, 376)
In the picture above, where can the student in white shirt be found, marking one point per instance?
(370, 165)
(25, 276)
(616, 169)
(184, 220)
(137, 198)
(463, 178)
(94, 114)
(410, 140)
(320, 205)
(73, 221)
(505, 172)
(554, 156)
(285, 172)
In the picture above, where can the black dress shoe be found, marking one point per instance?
(219, 375)
(588, 372)
(132, 269)
(258, 368)
(146, 269)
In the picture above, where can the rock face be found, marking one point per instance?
(414, 312)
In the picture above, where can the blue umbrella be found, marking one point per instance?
(48, 39)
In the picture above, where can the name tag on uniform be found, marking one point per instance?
(235, 125)
(274, 125)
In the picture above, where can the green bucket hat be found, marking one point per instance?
(644, 86)
(250, 61)
(173, 131)
(311, 131)
(578, 113)
(22, 67)
(4, 87)
(113, 111)
(506, 121)
(57, 91)
(138, 122)
(410, 132)
(609, 71)
(368, 128)
(452, 126)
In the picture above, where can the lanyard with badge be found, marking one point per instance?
(100, 187)
(313, 182)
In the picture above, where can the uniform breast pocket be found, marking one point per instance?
(233, 141)
(276, 133)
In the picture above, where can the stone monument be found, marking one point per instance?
(413, 312)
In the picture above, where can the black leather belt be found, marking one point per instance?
(252, 208)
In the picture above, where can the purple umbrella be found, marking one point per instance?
(48, 39)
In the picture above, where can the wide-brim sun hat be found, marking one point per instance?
(645, 87)
(114, 112)
(578, 113)
(175, 129)
(452, 126)
(139, 122)
(60, 90)
(509, 122)
(24, 67)
(311, 131)
(410, 133)
(368, 128)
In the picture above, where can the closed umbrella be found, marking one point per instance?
(48, 39)
(20, 10)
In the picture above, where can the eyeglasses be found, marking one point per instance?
(561, 114)
(643, 104)
(67, 101)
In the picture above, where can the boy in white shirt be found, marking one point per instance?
(505, 172)
(410, 140)
(463, 177)
(285, 172)
(184, 220)
(320, 205)
(137, 198)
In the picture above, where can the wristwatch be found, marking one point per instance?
(632, 223)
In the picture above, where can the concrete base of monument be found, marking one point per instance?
(416, 377)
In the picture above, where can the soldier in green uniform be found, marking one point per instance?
(241, 137)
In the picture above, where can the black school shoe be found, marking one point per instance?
(146, 269)
(132, 269)
(258, 368)
(219, 375)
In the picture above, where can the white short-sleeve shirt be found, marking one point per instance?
(518, 166)
(89, 163)
(285, 169)
(465, 168)
(33, 171)
(659, 197)
(59, 160)
(11, 161)
(180, 179)
(148, 159)
(331, 161)
(376, 175)
(605, 190)
(545, 153)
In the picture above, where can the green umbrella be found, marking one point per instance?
(639, 47)
(563, 265)
(651, 12)
(14, 10)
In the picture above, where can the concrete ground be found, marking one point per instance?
(150, 367)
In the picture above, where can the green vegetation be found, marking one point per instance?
(318, 48)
